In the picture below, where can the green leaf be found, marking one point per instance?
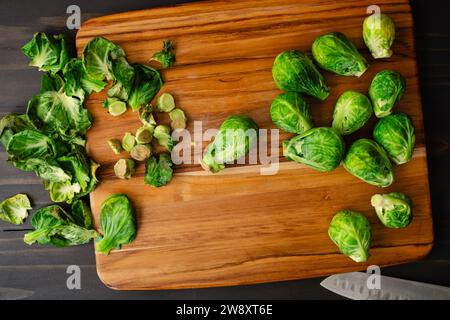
(117, 222)
(123, 79)
(166, 56)
(31, 144)
(81, 214)
(15, 209)
(158, 172)
(147, 83)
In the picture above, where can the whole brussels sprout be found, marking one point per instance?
(351, 232)
(396, 134)
(294, 71)
(393, 209)
(335, 53)
(385, 91)
(318, 148)
(379, 34)
(290, 112)
(369, 162)
(236, 136)
(351, 112)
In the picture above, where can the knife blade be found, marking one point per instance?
(353, 285)
(14, 294)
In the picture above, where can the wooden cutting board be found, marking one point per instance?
(240, 227)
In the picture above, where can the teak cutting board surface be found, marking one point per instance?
(240, 227)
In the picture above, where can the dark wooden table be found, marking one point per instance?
(43, 269)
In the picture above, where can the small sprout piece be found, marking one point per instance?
(335, 53)
(124, 168)
(158, 172)
(162, 134)
(385, 91)
(379, 34)
(368, 161)
(319, 148)
(294, 71)
(115, 145)
(393, 209)
(115, 106)
(144, 134)
(396, 134)
(350, 231)
(146, 116)
(166, 103)
(290, 112)
(167, 56)
(141, 152)
(352, 111)
(178, 119)
(128, 141)
(15, 209)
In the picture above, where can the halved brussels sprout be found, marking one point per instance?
(146, 116)
(124, 168)
(141, 152)
(162, 134)
(351, 112)
(385, 91)
(318, 148)
(379, 34)
(166, 102)
(178, 119)
(290, 112)
(115, 145)
(144, 134)
(294, 71)
(369, 162)
(396, 134)
(128, 141)
(236, 136)
(335, 53)
(393, 209)
(351, 232)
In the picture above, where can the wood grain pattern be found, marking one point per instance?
(239, 227)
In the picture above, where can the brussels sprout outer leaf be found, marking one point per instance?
(123, 79)
(294, 71)
(351, 233)
(336, 53)
(396, 134)
(117, 221)
(368, 161)
(237, 135)
(147, 83)
(351, 112)
(319, 148)
(386, 89)
(158, 172)
(393, 209)
(166, 56)
(15, 209)
(81, 214)
(379, 34)
(31, 144)
(290, 112)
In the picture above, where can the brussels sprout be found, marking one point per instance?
(351, 112)
(141, 152)
(369, 162)
(55, 226)
(162, 134)
(146, 116)
(147, 82)
(166, 102)
(158, 172)
(144, 134)
(393, 209)
(290, 112)
(350, 231)
(396, 134)
(294, 71)
(124, 168)
(118, 223)
(128, 141)
(379, 34)
(115, 106)
(178, 119)
(318, 148)
(116, 145)
(335, 53)
(236, 136)
(385, 91)
(15, 209)
(166, 56)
